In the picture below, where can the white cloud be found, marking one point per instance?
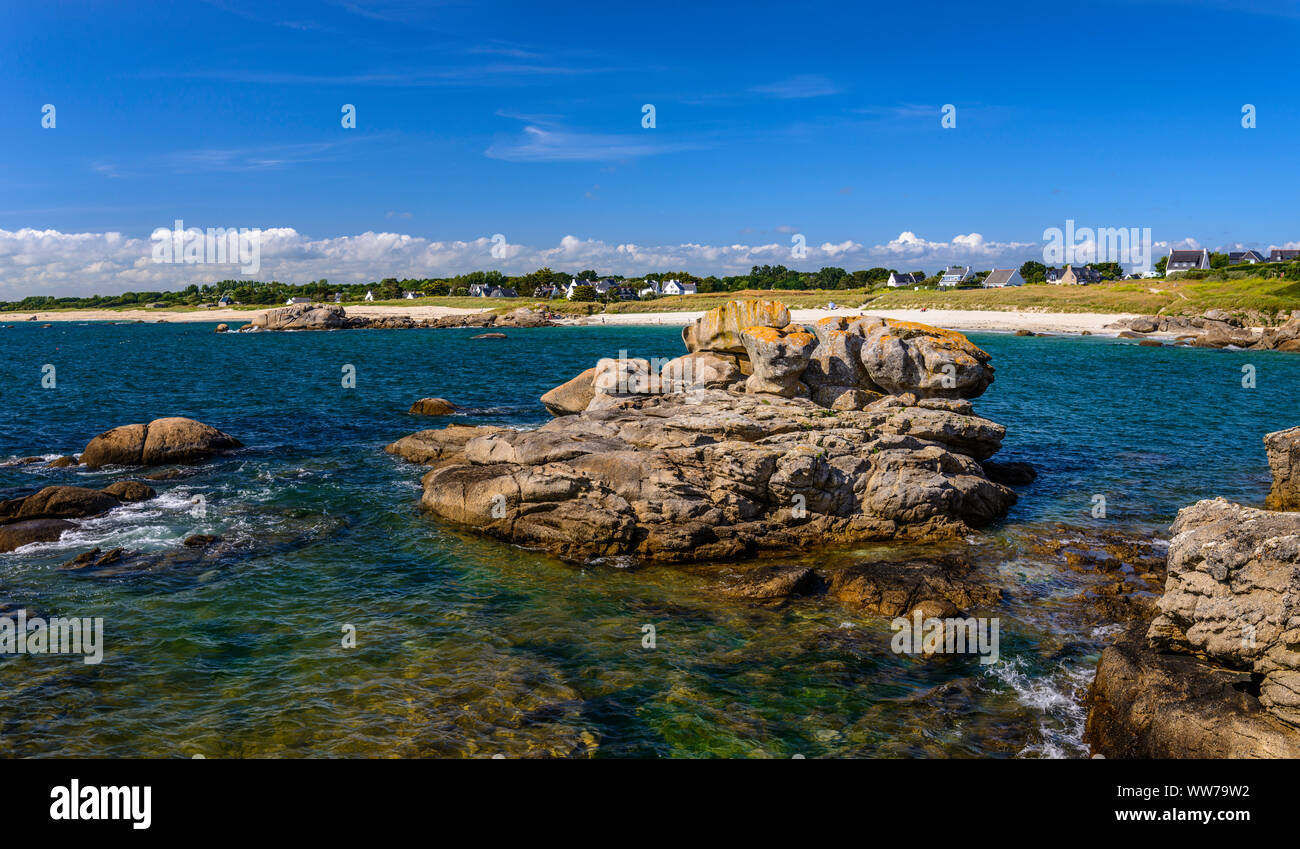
(50, 262)
(540, 144)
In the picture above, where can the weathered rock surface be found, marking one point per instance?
(433, 407)
(772, 583)
(778, 357)
(167, 440)
(301, 317)
(572, 396)
(903, 356)
(1233, 595)
(1146, 704)
(714, 474)
(720, 328)
(1283, 448)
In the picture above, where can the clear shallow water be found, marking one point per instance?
(470, 647)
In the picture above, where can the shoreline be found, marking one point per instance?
(964, 320)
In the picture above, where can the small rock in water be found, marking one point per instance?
(200, 540)
(489, 336)
(432, 407)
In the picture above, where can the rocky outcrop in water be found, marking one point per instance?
(1220, 329)
(335, 317)
(655, 466)
(43, 516)
(161, 441)
(432, 407)
(1217, 673)
(1149, 704)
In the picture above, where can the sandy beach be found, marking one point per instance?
(993, 320)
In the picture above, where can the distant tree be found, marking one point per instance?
(1162, 264)
(1218, 260)
(583, 293)
(1034, 272)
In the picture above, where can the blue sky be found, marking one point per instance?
(481, 118)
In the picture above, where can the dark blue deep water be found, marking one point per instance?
(468, 647)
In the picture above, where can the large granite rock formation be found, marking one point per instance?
(1221, 329)
(1233, 596)
(168, 440)
(722, 454)
(1217, 671)
(715, 474)
(1147, 704)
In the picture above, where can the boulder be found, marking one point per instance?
(714, 474)
(779, 358)
(701, 369)
(222, 328)
(1232, 595)
(168, 440)
(618, 377)
(446, 445)
(572, 396)
(301, 317)
(22, 533)
(58, 502)
(489, 336)
(837, 359)
(1283, 448)
(905, 356)
(720, 328)
(63, 462)
(433, 407)
(129, 490)
(1145, 704)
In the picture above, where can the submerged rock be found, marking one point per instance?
(162, 441)
(129, 490)
(939, 587)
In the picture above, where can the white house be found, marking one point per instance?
(652, 287)
(370, 296)
(955, 275)
(1187, 260)
(904, 279)
(676, 287)
(1000, 277)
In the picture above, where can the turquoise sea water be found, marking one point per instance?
(471, 647)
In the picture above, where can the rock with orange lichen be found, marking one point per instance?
(906, 356)
(779, 358)
(720, 328)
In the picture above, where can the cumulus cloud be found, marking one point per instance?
(51, 262)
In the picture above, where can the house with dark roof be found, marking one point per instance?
(1187, 260)
(955, 275)
(1002, 277)
(502, 292)
(546, 290)
(1245, 257)
(1073, 275)
(906, 278)
(1283, 255)
(624, 293)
